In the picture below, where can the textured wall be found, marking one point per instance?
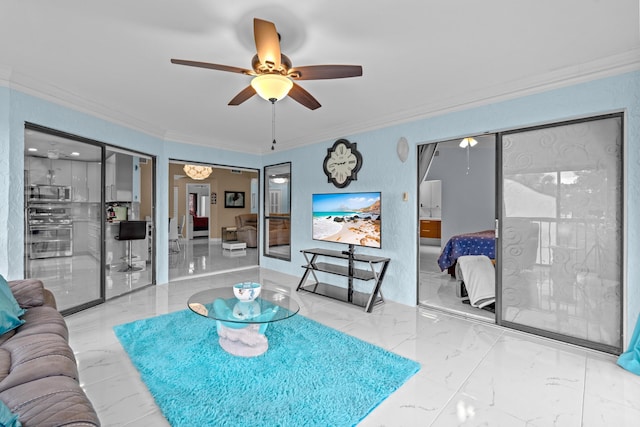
(16, 108)
(381, 171)
(468, 199)
(384, 172)
(5, 161)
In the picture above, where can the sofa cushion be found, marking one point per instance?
(28, 292)
(51, 401)
(5, 364)
(4, 337)
(43, 320)
(38, 356)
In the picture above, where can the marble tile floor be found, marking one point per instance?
(473, 373)
(75, 280)
(205, 256)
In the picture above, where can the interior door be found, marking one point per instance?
(560, 235)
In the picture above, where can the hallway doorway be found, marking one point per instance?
(204, 220)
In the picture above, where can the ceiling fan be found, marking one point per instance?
(273, 71)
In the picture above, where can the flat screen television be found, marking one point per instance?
(350, 218)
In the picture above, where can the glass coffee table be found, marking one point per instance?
(241, 325)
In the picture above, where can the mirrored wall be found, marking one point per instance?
(277, 211)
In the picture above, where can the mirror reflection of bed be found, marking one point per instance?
(457, 216)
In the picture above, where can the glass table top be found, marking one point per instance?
(221, 304)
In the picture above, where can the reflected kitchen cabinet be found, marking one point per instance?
(45, 171)
(61, 170)
(93, 182)
(80, 191)
(118, 177)
(38, 170)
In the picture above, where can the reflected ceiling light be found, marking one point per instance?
(32, 149)
(468, 142)
(197, 172)
(272, 87)
(279, 180)
(75, 154)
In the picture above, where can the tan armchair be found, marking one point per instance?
(247, 229)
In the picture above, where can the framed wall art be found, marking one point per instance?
(234, 199)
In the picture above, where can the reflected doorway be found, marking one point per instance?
(456, 198)
(277, 211)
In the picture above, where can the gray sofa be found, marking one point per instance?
(38, 371)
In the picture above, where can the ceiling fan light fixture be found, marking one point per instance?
(468, 142)
(272, 86)
(197, 172)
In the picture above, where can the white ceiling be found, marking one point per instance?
(420, 58)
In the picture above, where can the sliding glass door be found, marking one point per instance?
(82, 199)
(560, 235)
(128, 226)
(63, 216)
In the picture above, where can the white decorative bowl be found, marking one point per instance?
(246, 291)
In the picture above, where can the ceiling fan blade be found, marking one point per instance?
(212, 66)
(245, 94)
(267, 43)
(303, 97)
(319, 72)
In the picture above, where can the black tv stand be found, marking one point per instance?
(350, 251)
(348, 294)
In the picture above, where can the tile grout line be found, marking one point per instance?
(466, 380)
(584, 387)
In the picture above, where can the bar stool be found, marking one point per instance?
(130, 231)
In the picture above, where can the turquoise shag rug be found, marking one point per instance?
(311, 375)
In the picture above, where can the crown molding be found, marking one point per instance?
(5, 76)
(601, 68)
(604, 67)
(64, 98)
(209, 142)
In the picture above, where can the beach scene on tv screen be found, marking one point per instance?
(351, 218)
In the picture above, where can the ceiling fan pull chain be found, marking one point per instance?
(468, 164)
(273, 123)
